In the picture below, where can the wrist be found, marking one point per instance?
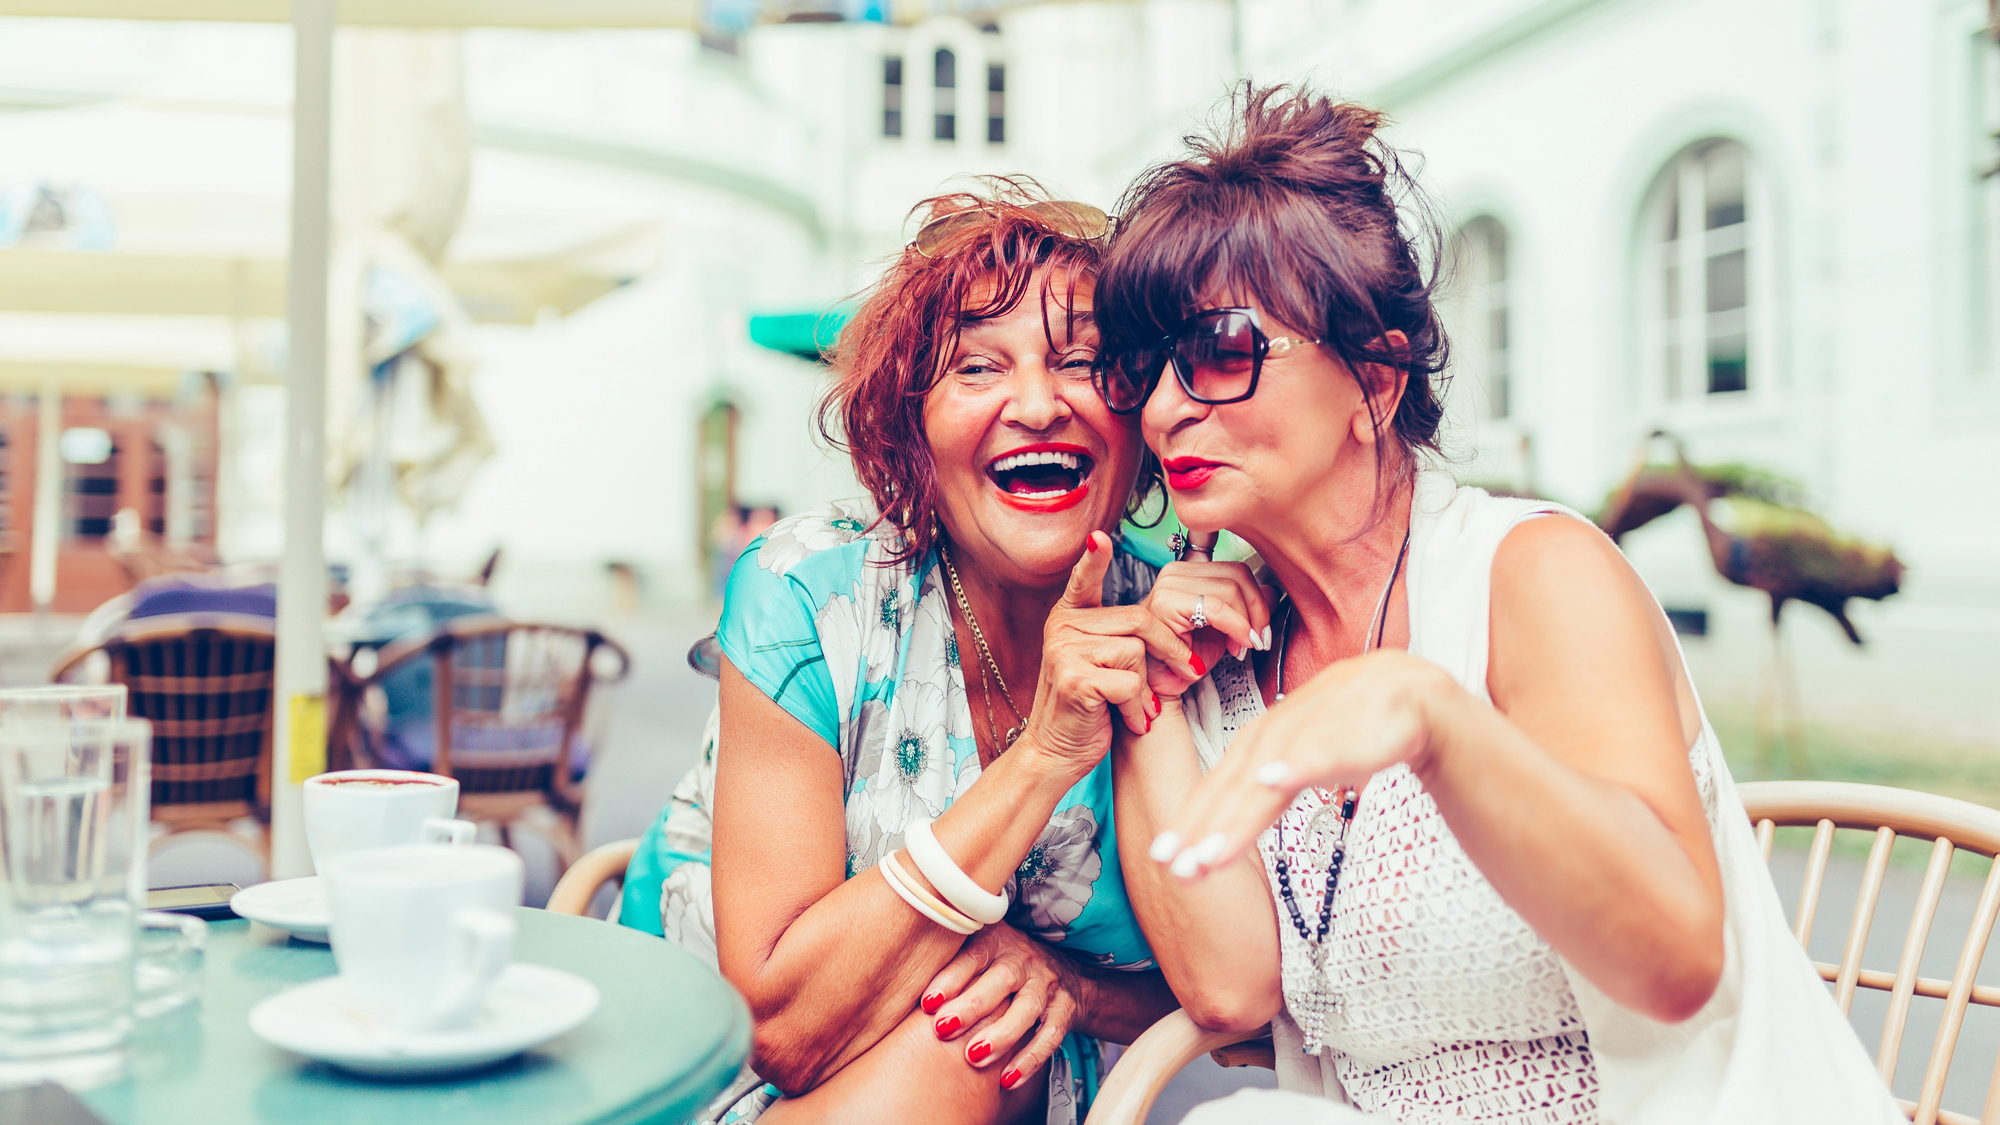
(1437, 702)
(1040, 768)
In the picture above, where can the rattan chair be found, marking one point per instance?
(1128, 1092)
(508, 699)
(204, 681)
(589, 875)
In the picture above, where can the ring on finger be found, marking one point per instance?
(1199, 619)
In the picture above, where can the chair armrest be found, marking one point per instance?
(1152, 1061)
(580, 883)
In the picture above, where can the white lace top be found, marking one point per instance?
(1432, 997)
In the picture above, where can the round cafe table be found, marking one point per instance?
(667, 1036)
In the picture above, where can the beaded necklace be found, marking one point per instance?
(1349, 796)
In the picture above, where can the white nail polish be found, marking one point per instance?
(1273, 774)
(1186, 866)
(1236, 651)
(1267, 638)
(1209, 849)
(1165, 845)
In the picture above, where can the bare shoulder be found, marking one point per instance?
(1569, 615)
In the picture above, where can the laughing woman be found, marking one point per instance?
(914, 864)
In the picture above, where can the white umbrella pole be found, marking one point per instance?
(48, 496)
(299, 743)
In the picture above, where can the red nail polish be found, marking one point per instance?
(933, 1002)
(978, 1051)
(1008, 1079)
(1149, 725)
(1156, 703)
(1090, 543)
(946, 1026)
(1195, 662)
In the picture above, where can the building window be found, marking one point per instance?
(1699, 284)
(945, 82)
(996, 104)
(1479, 315)
(892, 96)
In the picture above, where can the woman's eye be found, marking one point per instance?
(976, 369)
(1081, 361)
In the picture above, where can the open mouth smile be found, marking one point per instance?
(1048, 477)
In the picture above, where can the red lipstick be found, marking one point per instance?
(1187, 473)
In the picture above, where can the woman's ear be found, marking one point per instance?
(1383, 386)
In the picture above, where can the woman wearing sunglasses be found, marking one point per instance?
(913, 865)
(1464, 835)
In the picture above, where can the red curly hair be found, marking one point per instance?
(898, 343)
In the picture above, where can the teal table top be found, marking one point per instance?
(667, 1036)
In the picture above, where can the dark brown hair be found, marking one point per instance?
(1294, 202)
(891, 353)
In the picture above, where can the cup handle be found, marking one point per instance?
(483, 941)
(443, 830)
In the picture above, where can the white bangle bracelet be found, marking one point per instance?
(888, 870)
(915, 886)
(951, 881)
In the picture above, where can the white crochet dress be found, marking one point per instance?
(1433, 1001)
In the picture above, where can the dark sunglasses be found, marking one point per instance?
(1217, 354)
(1064, 217)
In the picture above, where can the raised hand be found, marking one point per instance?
(1351, 721)
(1235, 610)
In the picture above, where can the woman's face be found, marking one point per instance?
(1029, 459)
(1256, 464)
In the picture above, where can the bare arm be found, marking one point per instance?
(1572, 793)
(830, 965)
(1216, 940)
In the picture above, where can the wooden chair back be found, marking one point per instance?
(601, 866)
(508, 699)
(1950, 826)
(204, 681)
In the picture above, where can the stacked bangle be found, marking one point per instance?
(912, 892)
(951, 881)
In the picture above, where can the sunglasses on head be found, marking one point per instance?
(1064, 217)
(1217, 354)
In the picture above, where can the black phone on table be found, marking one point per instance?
(205, 900)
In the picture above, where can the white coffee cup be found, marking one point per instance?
(420, 932)
(361, 810)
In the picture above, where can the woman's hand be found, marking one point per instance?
(1009, 996)
(1094, 660)
(1343, 726)
(1236, 609)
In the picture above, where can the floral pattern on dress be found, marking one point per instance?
(867, 654)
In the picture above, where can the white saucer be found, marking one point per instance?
(297, 905)
(527, 1006)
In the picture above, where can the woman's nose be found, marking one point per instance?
(1169, 406)
(1036, 402)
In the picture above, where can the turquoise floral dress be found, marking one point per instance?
(866, 657)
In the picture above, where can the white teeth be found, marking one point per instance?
(1020, 460)
(1049, 495)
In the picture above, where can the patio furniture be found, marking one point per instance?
(508, 701)
(668, 1035)
(1160, 1052)
(588, 875)
(204, 681)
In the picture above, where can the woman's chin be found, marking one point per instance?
(1043, 536)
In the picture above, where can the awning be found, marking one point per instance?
(808, 335)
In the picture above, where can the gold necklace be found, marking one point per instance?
(986, 658)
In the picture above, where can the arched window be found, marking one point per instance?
(946, 86)
(1698, 283)
(1479, 316)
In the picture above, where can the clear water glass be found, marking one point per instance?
(168, 957)
(72, 838)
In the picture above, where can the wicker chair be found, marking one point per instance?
(204, 681)
(1175, 1041)
(508, 699)
(589, 875)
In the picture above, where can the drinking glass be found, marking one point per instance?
(167, 968)
(72, 839)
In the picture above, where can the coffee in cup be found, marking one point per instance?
(362, 810)
(420, 933)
